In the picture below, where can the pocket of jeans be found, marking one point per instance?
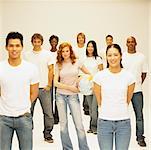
(28, 115)
(1, 116)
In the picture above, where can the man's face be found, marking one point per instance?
(131, 44)
(14, 48)
(109, 41)
(37, 43)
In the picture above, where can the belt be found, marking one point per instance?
(27, 114)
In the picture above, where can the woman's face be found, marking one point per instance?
(90, 49)
(80, 39)
(66, 53)
(113, 57)
(54, 42)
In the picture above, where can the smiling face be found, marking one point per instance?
(109, 41)
(131, 44)
(37, 43)
(66, 53)
(54, 42)
(113, 57)
(14, 48)
(90, 49)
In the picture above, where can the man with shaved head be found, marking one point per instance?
(134, 61)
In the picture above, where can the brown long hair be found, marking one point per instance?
(60, 59)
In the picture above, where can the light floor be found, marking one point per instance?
(40, 144)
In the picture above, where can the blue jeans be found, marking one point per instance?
(45, 101)
(22, 126)
(93, 110)
(74, 105)
(137, 102)
(109, 130)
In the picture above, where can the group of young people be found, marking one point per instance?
(114, 79)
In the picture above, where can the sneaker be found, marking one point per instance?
(86, 112)
(94, 132)
(49, 139)
(56, 121)
(89, 131)
(142, 143)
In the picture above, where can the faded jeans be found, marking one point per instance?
(108, 131)
(137, 102)
(22, 126)
(93, 110)
(45, 101)
(74, 105)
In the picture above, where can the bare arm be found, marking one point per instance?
(130, 92)
(100, 67)
(85, 70)
(97, 92)
(34, 89)
(50, 77)
(63, 86)
(143, 77)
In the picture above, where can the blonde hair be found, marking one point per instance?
(81, 34)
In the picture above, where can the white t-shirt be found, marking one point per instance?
(15, 87)
(92, 64)
(102, 53)
(114, 93)
(136, 64)
(80, 52)
(42, 59)
(54, 55)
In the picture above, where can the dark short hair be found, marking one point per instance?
(109, 36)
(54, 37)
(14, 35)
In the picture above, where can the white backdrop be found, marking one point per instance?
(66, 18)
(96, 18)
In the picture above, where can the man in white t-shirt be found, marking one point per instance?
(44, 61)
(18, 89)
(134, 61)
(102, 53)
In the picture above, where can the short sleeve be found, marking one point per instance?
(97, 78)
(99, 61)
(51, 59)
(131, 78)
(144, 66)
(34, 75)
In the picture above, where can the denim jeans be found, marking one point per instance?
(45, 101)
(93, 110)
(137, 102)
(120, 131)
(54, 108)
(74, 105)
(85, 104)
(22, 126)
